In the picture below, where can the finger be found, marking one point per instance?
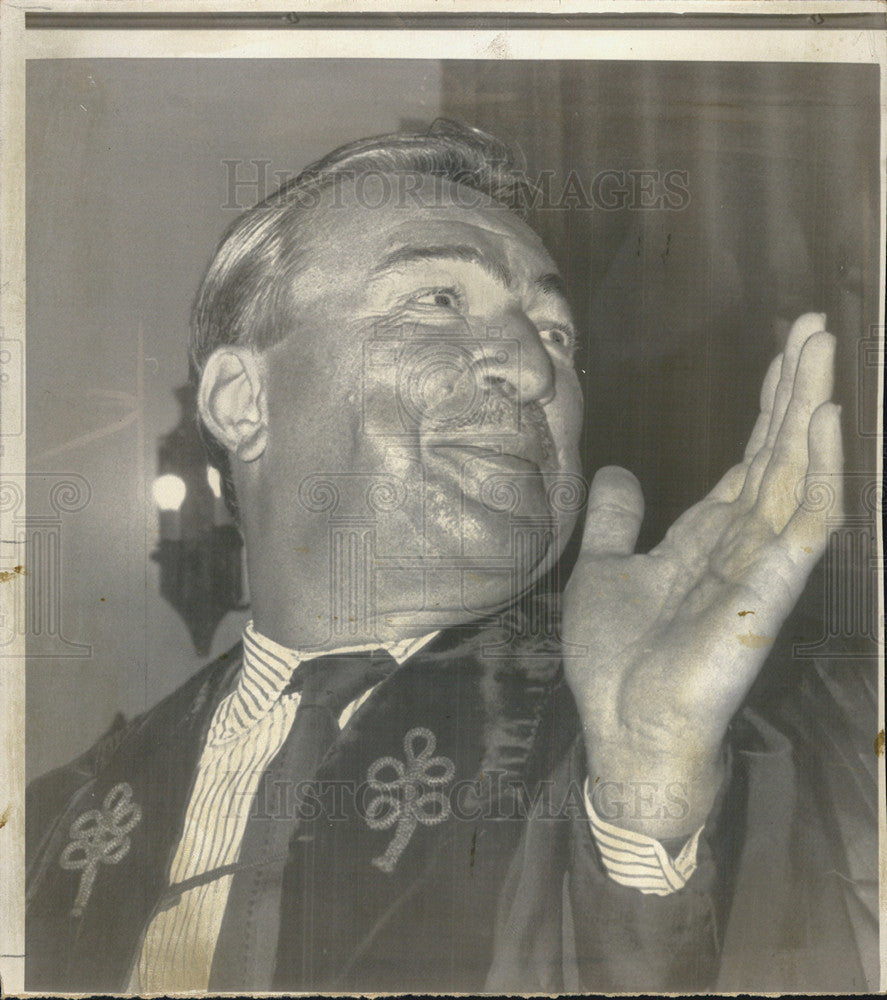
(615, 513)
(784, 475)
(730, 485)
(821, 508)
(800, 333)
(802, 329)
(768, 396)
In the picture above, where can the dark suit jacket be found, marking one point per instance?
(505, 892)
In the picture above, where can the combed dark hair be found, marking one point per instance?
(244, 297)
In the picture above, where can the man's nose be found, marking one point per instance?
(512, 352)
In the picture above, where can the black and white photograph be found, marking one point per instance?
(441, 495)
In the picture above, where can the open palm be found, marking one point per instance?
(664, 646)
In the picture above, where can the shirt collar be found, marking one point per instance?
(282, 661)
(268, 667)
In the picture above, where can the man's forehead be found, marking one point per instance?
(383, 211)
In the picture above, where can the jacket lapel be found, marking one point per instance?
(413, 818)
(109, 859)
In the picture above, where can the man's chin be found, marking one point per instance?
(469, 586)
(479, 600)
(496, 483)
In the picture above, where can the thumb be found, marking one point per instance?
(615, 512)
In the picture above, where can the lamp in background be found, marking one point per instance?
(169, 494)
(200, 549)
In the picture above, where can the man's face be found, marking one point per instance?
(424, 413)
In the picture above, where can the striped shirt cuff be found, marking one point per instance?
(640, 862)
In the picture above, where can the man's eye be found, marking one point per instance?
(443, 298)
(561, 335)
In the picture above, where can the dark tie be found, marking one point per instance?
(247, 946)
(328, 684)
(336, 679)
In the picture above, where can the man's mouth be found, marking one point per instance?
(508, 433)
(465, 453)
(525, 449)
(531, 444)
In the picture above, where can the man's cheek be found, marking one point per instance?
(564, 416)
(416, 385)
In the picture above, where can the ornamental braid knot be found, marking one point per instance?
(403, 800)
(100, 835)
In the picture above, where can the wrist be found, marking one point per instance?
(666, 794)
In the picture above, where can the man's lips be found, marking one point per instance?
(467, 452)
(522, 435)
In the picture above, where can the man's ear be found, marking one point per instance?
(232, 401)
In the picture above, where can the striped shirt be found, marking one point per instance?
(247, 731)
(640, 862)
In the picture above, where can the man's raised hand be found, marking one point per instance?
(674, 639)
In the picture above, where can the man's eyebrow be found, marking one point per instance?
(552, 284)
(472, 255)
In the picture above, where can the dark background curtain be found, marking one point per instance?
(684, 308)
